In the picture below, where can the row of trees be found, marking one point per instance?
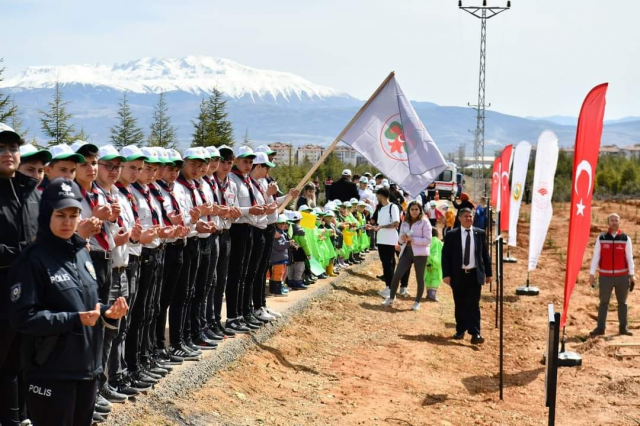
(211, 127)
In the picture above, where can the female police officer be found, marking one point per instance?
(54, 304)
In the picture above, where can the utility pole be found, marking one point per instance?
(483, 13)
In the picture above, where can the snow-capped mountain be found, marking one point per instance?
(192, 74)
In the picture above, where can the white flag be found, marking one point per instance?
(518, 178)
(541, 208)
(391, 137)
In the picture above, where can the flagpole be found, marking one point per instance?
(331, 147)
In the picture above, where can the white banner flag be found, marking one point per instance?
(518, 178)
(391, 137)
(541, 208)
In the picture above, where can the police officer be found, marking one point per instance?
(54, 304)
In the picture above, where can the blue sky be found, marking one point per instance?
(543, 55)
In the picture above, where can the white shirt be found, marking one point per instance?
(230, 191)
(120, 255)
(110, 228)
(472, 247)
(184, 193)
(367, 196)
(145, 215)
(208, 193)
(134, 249)
(168, 205)
(243, 200)
(595, 262)
(386, 216)
(261, 198)
(430, 212)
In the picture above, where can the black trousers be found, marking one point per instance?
(151, 259)
(466, 297)
(119, 287)
(61, 402)
(255, 260)
(137, 343)
(119, 365)
(155, 304)
(173, 260)
(103, 274)
(387, 255)
(178, 307)
(206, 309)
(260, 280)
(196, 302)
(9, 370)
(222, 268)
(242, 236)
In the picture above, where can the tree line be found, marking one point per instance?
(210, 128)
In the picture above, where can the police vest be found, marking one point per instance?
(613, 254)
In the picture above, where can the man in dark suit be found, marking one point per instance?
(466, 266)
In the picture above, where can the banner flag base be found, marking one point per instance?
(527, 291)
(569, 359)
(510, 259)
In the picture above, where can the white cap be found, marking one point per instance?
(163, 155)
(63, 152)
(245, 152)
(194, 153)
(151, 154)
(354, 201)
(346, 172)
(364, 180)
(304, 208)
(263, 158)
(132, 153)
(109, 152)
(266, 149)
(385, 183)
(80, 143)
(295, 216)
(8, 131)
(174, 155)
(213, 152)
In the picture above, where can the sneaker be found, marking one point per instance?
(388, 302)
(26, 422)
(625, 332)
(136, 384)
(263, 315)
(597, 332)
(168, 359)
(179, 352)
(193, 349)
(385, 293)
(250, 324)
(237, 327)
(205, 344)
(143, 376)
(273, 313)
(98, 418)
(284, 290)
(459, 336)
(211, 334)
(157, 370)
(126, 389)
(477, 339)
(404, 292)
(226, 331)
(297, 285)
(416, 306)
(100, 409)
(100, 400)
(112, 396)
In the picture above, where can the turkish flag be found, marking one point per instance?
(495, 183)
(505, 169)
(585, 161)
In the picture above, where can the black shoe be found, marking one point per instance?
(251, 319)
(459, 335)
(205, 344)
(157, 370)
(625, 332)
(213, 334)
(98, 418)
(182, 354)
(151, 374)
(126, 389)
(101, 409)
(225, 331)
(191, 348)
(322, 276)
(380, 277)
(237, 327)
(477, 339)
(249, 325)
(597, 332)
(112, 396)
(138, 385)
(142, 377)
(100, 400)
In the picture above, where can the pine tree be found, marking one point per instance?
(55, 121)
(245, 139)
(162, 132)
(81, 135)
(220, 130)
(126, 132)
(7, 107)
(15, 121)
(201, 125)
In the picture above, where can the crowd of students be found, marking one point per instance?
(101, 248)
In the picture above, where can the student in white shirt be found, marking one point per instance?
(386, 229)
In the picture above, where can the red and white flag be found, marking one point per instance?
(495, 183)
(503, 200)
(585, 160)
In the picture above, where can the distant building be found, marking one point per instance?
(312, 153)
(609, 150)
(284, 153)
(347, 155)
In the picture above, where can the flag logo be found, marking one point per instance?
(392, 139)
(542, 196)
(517, 191)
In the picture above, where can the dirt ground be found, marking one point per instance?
(349, 361)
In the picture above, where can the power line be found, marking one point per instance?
(483, 13)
